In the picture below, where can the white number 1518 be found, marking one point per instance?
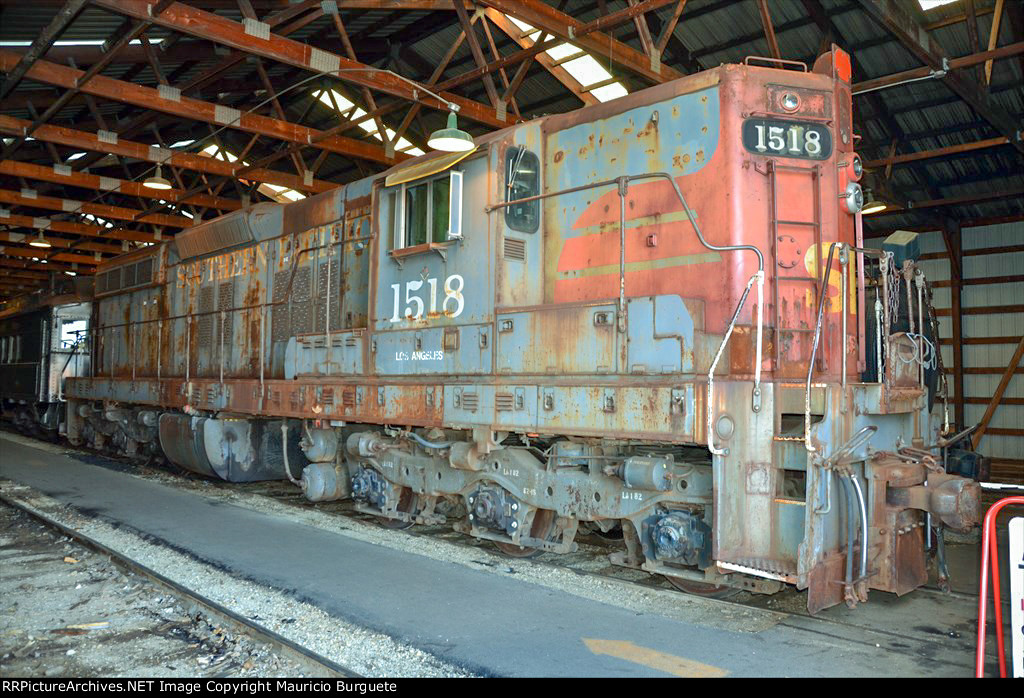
(452, 305)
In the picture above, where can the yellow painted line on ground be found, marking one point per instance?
(653, 659)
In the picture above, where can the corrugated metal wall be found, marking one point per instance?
(984, 364)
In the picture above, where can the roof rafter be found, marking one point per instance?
(189, 20)
(912, 36)
(102, 210)
(189, 161)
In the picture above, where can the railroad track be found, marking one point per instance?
(316, 665)
(584, 562)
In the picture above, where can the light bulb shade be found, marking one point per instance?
(39, 242)
(871, 204)
(157, 183)
(451, 139)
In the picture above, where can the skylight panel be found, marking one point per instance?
(563, 50)
(278, 193)
(370, 125)
(932, 4)
(585, 69)
(609, 92)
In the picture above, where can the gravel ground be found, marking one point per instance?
(68, 611)
(362, 651)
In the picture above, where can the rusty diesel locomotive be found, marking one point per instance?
(650, 317)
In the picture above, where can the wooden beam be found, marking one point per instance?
(1008, 51)
(894, 17)
(101, 210)
(670, 27)
(42, 44)
(769, 29)
(548, 19)
(198, 110)
(993, 38)
(96, 231)
(1007, 279)
(984, 310)
(58, 244)
(981, 340)
(998, 395)
(478, 53)
(189, 20)
(937, 152)
(951, 235)
(538, 48)
(31, 255)
(951, 201)
(140, 151)
(559, 73)
(124, 186)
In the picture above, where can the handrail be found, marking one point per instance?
(814, 347)
(758, 276)
(990, 550)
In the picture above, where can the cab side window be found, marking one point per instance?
(522, 180)
(428, 211)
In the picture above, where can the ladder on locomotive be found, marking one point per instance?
(812, 283)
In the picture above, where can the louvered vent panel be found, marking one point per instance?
(470, 402)
(280, 329)
(504, 402)
(218, 234)
(225, 301)
(205, 318)
(128, 276)
(301, 285)
(144, 271)
(515, 249)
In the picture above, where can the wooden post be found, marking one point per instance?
(951, 235)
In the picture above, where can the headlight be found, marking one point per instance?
(854, 197)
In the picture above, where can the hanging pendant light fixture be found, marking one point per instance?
(40, 241)
(451, 139)
(157, 181)
(871, 204)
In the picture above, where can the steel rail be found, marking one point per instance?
(320, 665)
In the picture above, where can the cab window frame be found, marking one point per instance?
(520, 161)
(438, 231)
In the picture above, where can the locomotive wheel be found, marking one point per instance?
(711, 591)
(543, 527)
(408, 503)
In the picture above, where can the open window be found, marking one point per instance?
(522, 180)
(71, 332)
(426, 211)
